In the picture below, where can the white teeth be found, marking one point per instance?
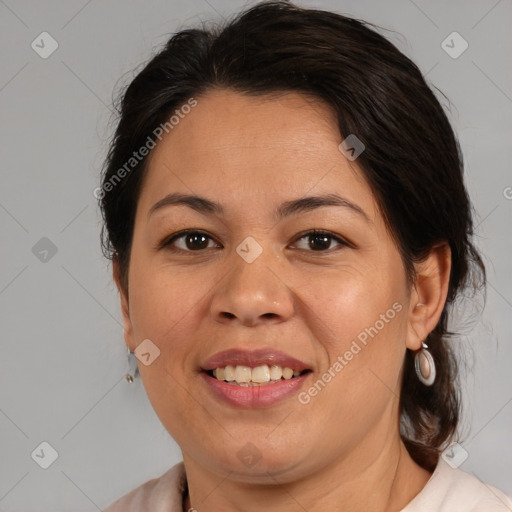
(259, 375)
(229, 373)
(242, 373)
(287, 373)
(276, 372)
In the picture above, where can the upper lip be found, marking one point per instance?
(253, 358)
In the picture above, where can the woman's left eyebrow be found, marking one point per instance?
(293, 207)
(309, 203)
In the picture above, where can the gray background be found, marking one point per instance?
(63, 357)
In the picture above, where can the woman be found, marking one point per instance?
(286, 214)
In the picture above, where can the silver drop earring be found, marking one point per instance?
(424, 365)
(133, 369)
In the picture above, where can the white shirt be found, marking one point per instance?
(448, 490)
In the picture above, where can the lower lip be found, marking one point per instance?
(254, 396)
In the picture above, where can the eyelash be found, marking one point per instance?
(167, 242)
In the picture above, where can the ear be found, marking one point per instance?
(125, 305)
(428, 295)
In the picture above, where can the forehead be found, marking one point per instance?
(232, 144)
(224, 120)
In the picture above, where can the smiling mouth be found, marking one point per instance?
(246, 376)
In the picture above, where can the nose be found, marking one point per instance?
(252, 293)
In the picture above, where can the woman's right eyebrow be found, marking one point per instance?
(197, 203)
(288, 208)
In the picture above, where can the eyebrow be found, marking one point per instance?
(286, 209)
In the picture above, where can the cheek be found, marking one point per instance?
(161, 300)
(165, 308)
(352, 300)
(362, 314)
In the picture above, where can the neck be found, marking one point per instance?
(387, 484)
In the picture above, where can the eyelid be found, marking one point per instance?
(311, 232)
(167, 241)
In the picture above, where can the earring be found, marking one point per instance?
(424, 365)
(133, 369)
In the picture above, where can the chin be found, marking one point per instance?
(250, 463)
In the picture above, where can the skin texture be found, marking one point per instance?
(342, 450)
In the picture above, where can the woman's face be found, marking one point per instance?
(256, 279)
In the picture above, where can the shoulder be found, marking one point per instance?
(454, 490)
(163, 494)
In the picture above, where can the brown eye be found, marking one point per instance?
(320, 241)
(189, 241)
(196, 241)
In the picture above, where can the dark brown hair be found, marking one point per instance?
(412, 159)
